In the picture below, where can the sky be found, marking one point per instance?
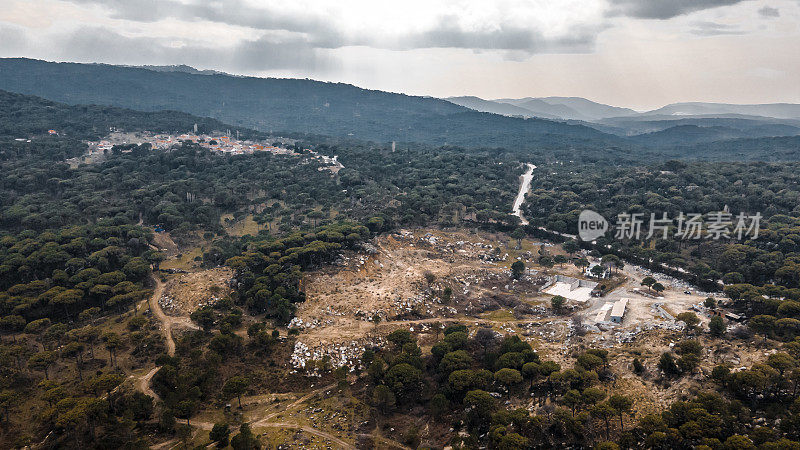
(641, 54)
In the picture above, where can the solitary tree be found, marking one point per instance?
(112, 342)
(245, 440)
(75, 349)
(519, 235)
(571, 246)
(610, 261)
(447, 295)
(220, 434)
(604, 412)
(559, 259)
(689, 318)
(557, 302)
(638, 366)
(649, 282)
(781, 362)
(517, 269)
(622, 404)
(42, 361)
(572, 399)
(716, 326)
(235, 387)
(508, 377)
(667, 364)
(383, 398)
(8, 399)
(763, 324)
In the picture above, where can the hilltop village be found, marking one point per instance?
(215, 142)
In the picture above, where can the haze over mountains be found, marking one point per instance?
(671, 125)
(577, 108)
(564, 108)
(342, 110)
(289, 105)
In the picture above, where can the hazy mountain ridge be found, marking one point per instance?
(294, 105)
(774, 110)
(343, 110)
(590, 108)
(578, 108)
(506, 109)
(180, 68)
(671, 125)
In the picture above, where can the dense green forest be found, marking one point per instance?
(24, 117)
(558, 194)
(77, 250)
(467, 379)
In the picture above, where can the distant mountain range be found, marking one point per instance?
(290, 105)
(180, 68)
(674, 124)
(561, 108)
(774, 110)
(577, 108)
(566, 127)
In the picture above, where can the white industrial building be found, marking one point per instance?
(571, 288)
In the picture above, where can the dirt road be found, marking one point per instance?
(524, 186)
(310, 430)
(166, 323)
(144, 383)
(262, 422)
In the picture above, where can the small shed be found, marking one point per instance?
(618, 311)
(734, 317)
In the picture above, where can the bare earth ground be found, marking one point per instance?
(388, 279)
(185, 293)
(391, 282)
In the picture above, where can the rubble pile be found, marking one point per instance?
(331, 356)
(423, 305)
(461, 247)
(297, 322)
(210, 301)
(556, 330)
(167, 304)
(620, 337)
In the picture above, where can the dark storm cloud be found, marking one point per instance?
(663, 9)
(769, 12)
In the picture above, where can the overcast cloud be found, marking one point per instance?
(664, 9)
(490, 49)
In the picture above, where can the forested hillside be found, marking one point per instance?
(287, 105)
(24, 117)
(89, 252)
(558, 196)
(77, 247)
